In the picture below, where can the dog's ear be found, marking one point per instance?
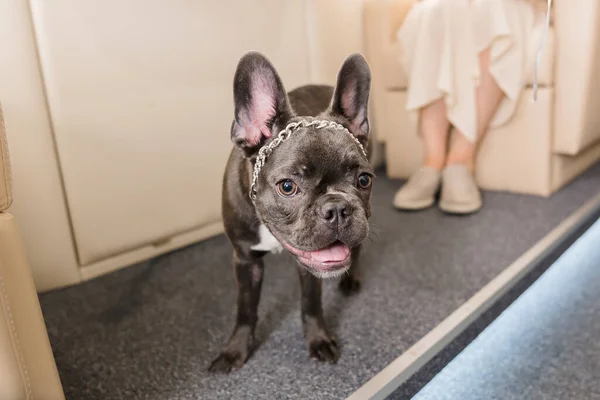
(260, 101)
(351, 96)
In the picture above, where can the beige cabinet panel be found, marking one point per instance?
(140, 94)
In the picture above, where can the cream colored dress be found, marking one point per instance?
(441, 41)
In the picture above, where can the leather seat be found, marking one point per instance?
(544, 146)
(27, 366)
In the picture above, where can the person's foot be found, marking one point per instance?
(460, 194)
(419, 191)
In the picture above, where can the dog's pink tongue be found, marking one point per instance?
(335, 252)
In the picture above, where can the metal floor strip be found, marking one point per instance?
(403, 367)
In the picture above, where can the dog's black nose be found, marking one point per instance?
(336, 212)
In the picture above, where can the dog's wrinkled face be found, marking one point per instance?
(315, 199)
(313, 193)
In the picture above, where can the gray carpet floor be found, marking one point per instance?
(151, 330)
(546, 345)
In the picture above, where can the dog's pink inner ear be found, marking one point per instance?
(348, 99)
(351, 108)
(255, 120)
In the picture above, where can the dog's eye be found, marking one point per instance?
(364, 181)
(287, 188)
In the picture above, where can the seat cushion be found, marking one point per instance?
(395, 77)
(5, 184)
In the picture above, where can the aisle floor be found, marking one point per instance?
(151, 330)
(546, 345)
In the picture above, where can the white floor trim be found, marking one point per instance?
(403, 367)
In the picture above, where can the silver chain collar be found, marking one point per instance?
(284, 135)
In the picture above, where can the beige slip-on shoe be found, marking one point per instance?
(460, 194)
(419, 191)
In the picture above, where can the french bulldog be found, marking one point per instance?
(298, 178)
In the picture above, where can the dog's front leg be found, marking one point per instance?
(249, 275)
(320, 343)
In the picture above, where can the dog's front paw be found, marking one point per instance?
(237, 351)
(228, 361)
(324, 349)
(349, 285)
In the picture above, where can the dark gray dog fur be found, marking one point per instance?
(326, 165)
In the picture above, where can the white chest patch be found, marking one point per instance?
(268, 242)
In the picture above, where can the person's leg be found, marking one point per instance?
(488, 97)
(419, 192)
(460, 194)
(434, 131)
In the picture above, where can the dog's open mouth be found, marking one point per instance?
(333, 258)
(330, 261)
